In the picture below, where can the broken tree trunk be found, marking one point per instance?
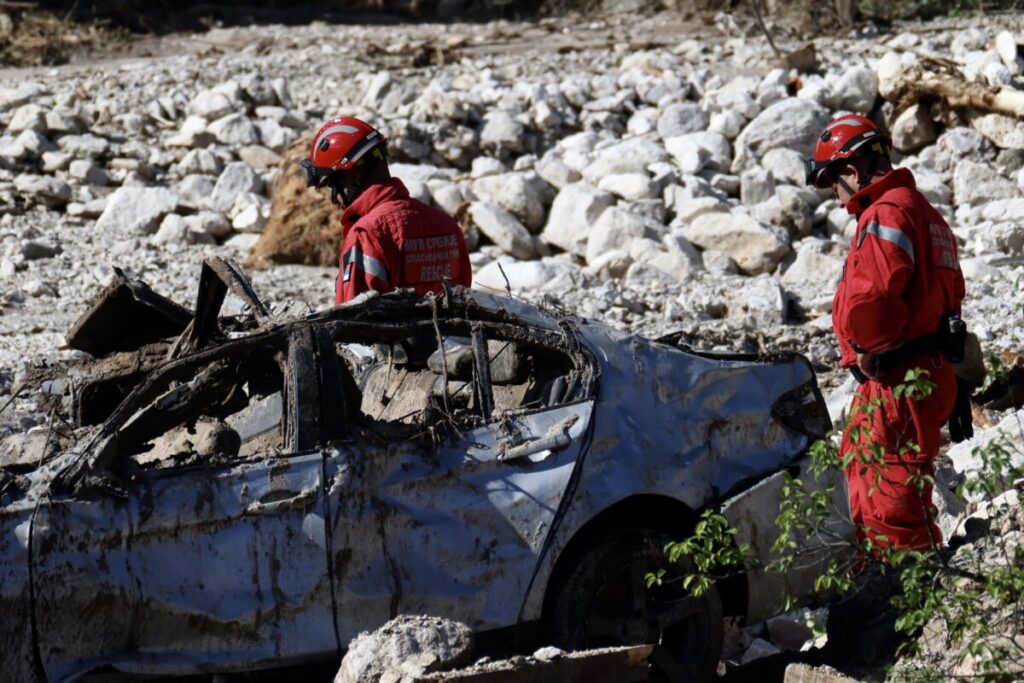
(931, 78)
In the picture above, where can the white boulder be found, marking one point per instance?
(502, 228)
(237, 177)
(913, 129)
(792, 123)
(573, 212)
(235, 129)
(137, 210)
(756, 247)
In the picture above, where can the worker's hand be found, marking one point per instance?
(868, 364)
(961, 421)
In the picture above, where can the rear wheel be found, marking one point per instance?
(604, 602)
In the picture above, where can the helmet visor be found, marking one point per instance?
(819, 174)
(316, 176)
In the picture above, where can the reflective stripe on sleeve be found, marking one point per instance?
(367, 264)
(893, 235)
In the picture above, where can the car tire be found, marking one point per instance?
(603, 602)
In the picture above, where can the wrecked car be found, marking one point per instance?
(253, 491)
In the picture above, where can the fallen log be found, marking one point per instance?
(927, 78)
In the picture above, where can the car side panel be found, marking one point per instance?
(456, 532)
(85, 596)
(17, 661)
(198, 570)
(673, 424)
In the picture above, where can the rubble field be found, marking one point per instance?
(642, 169)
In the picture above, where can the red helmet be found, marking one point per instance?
(843, 138)
(338, 146)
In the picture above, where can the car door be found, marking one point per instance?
(453, 529)
(203, 567)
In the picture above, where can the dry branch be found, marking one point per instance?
(905, 84)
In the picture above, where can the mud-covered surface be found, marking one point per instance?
(251, 501)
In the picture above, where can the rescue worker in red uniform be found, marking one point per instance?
(390, 240)
(897, 308)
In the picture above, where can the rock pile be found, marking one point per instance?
(657, 187)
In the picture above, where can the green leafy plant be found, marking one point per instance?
(958, 611)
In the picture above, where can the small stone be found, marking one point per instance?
(713, 148)
(195, 190)
(38, 288)
(627, 156)
(572, 213)
(857, 89)
(485, 166)
(501, 130)
(235, 129)
(210, 222)
(200, 161)
(172, 230)
(718, 262)
(274, 135)
(555, 172)
(243, 242)
(237, 177)
(615, 229)
(259, 157)
(56, 161)
(680, 119)
(85, 170)
(1006, 132)
(428, 643)
(44, 189)
(975, 183)
(913, 129)
(787, 165)
(28, 144)
(727, 123)
(33, 251)
(21, 94)
(756, 185)
(250, 213)
(64, 122)
(137, 210)
(545, 116)
(216, 102)
(84, 146)
(521, 194)
(629, 186)
(28, 117)
(193, 133)
(792, 123)
(756, 248)
(502, 228)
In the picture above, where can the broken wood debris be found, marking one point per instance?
(930, 78)
(610, 665)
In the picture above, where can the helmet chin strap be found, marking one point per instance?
(865, 180)
(344, 194)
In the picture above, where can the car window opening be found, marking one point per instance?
(232, 409)
(403, 389)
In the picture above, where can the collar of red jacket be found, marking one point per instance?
(898, 177)
(375, 194)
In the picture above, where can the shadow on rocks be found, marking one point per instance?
(862, 638)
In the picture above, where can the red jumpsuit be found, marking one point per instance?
(393, 241)
(901, 277)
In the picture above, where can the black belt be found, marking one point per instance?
(925, 345)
